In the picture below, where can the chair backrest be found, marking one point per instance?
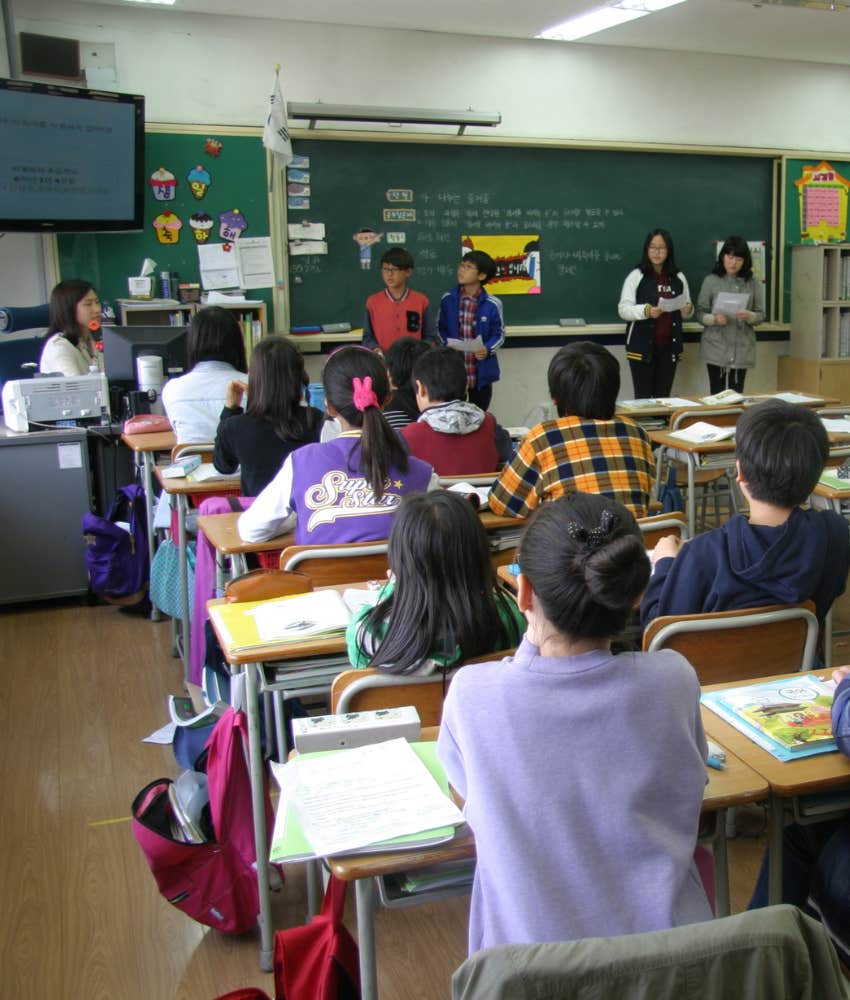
(204, 449)
(328, 565)
(473, 478)
(265, 585)
(842, 410)
(720, 416)
(655, 527)
(725, 646)
(372, 689)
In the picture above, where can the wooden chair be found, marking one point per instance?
(371, 689)
(204, 449)
(329, 565)
(656, 526)
(727, 646)
(714, 482)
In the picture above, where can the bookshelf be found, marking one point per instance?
(155, 312)
(820, 321)
(252, 317)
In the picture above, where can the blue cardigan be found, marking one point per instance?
(489, 325)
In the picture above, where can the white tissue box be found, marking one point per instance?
(140, 288)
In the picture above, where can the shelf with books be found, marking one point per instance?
(155, 312)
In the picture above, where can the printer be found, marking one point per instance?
(54, 400)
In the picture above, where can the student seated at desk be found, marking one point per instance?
(75, 316)
(454, 436)
(275, 421)
(441, 605)
(400, 359)
(587, 449)
(215, 353)
(582, 771)
(779, 554)
(347, 489)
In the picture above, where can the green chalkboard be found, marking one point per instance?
(237, 181)
(591, 209)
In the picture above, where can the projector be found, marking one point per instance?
(84, 398)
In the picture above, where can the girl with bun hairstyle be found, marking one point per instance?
(582, 771)
(75, 316)
(346, 489)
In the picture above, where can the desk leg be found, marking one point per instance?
(659, 466)
(182, 508)
(776, 824)
(827, 640)
(721, 866)
(365, 890)
(147, 479)
(692, 507)
(255, 754)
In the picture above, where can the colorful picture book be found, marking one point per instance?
(789, 718)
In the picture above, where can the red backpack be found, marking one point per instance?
(215, 882)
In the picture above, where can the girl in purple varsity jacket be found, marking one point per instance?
(343, 490)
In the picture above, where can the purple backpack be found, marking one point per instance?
(214, 882)
(117, 562)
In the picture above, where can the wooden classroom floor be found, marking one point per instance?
(80, 915)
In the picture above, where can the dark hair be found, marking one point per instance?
(442, 373)
(669, 265)
(445, 596)
(782, 449)
(400, 358)
(276, 388)
(398, 257)
(63, 307)
(584, 379)
(738, 247)
(215, 335)
(585, 559)
(484, 262)
(380, 445)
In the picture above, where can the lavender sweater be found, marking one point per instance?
(583, 779)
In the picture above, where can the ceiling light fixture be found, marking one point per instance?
(609, 16)
(158, 3)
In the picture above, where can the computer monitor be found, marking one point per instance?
(122, 345)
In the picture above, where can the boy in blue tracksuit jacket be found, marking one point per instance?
(467, 312)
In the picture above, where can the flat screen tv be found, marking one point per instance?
(122, 345)
(71, 160)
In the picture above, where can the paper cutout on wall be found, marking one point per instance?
(199, 181)
(396, 195)
(232, 224)
(300, 162)
(167, 226)
(163, 184)
(306, 230)
(517, 258)
(298, 202)
(201, 225)
(302, 189)
(298, 176)
(212, 147)
(365, 239)
(396, 238)
(822, 193)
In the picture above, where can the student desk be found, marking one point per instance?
(736, 785)
(695, 455)
(222, 533)
(787, 779)
(145, 448)
(183, 488)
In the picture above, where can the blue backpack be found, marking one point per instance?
(670, 495)
(117, 560)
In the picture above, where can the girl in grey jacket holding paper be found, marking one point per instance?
(728, 345)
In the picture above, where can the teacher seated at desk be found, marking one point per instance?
(75, 316)
(215, 357)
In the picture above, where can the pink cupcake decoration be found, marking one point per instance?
(167, 227)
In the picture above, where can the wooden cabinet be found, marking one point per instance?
(820, 321)
(251, 315)
(155, 312)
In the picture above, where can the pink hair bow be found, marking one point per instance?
(363, 395)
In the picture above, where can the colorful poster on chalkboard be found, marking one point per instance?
(822, 194)
(517, 258)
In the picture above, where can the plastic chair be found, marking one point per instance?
(329, 565)
(655, 527)
(727, 646)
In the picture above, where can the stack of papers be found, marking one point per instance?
(254, 624)
(726, 397)
(790, 718)
(836, 425)
(796, 397)
(830, 477)
(382, 797)
(674, 402)
(701, 432)
(467, 489)
(206, 472)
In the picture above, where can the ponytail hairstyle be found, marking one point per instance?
(276, 379)
(357, 386)
(585, 559)
(445, 600)
(63, 308)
